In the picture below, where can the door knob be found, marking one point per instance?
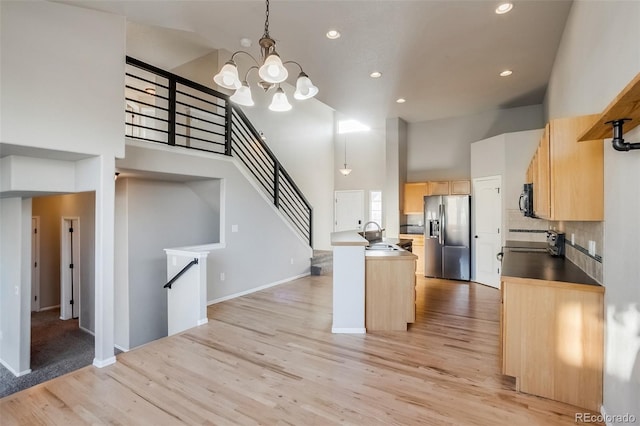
(475, 236)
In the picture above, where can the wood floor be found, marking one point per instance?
(270, 358)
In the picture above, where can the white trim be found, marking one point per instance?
(105, 362)
(49, 308)
(348, 330)
(86, 329)
(35, 270)
(120, 348)
(253, 290)
(22, 373)
(202, 321)
(200, 251)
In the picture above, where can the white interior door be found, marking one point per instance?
(35, 264)
(349, 210)
(487, 237)
(70, 268)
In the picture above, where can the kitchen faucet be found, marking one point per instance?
(364, 228)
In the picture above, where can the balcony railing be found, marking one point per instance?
(162, 107)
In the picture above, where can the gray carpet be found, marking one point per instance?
(57, 347)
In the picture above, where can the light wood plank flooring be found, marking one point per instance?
(270, 358)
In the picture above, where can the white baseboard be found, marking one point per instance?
(339, 330)
(49, 308)
(100, 363)
(203, 321)
(253, 290)
(87, 330)
(17, 374)
(120, 348)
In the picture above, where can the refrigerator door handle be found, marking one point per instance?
(442, 224)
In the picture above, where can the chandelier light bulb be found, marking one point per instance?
(272, 71)
(228, 76)
(304, 88)
(242, 96)
(280, 101)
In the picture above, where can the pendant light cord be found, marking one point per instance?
(345, 152)
(266, 22)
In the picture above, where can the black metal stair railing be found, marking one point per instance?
(165, 108)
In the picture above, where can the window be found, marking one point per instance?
(375, 206)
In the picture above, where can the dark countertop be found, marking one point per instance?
(412, 229)
(541, 266)
(525, 245)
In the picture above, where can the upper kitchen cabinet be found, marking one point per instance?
(568, 177)
(439, 188)
(414, 193)
(460, 187)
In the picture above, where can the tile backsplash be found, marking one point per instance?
(520, 228)
(578, 251)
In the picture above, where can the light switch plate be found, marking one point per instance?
(234, 228)
(573, 239)
(592, 248)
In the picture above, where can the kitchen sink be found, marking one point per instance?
(382, 247)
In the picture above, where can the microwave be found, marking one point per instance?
(526, 200)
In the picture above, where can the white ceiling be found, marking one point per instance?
(443, 56)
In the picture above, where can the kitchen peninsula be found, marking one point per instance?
(373, 289)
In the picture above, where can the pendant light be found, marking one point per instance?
(345, 170)
(272, 72)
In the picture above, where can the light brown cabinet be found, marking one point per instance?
(414, 193)
(439, 187)
(418, 249)
(390, 294)
(552, 339)
(460, 187)
(567, 176)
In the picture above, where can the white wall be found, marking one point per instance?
(15, 284)
(63, 92)
(395, 173)
(54, 73)
(439, 149)
(598, 55)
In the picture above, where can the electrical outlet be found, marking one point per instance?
(17, 290)
(222, 276)
(573, 239)
(592, 248)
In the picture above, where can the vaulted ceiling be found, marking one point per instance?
(444, 57)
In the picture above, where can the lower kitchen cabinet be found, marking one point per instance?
(417, 249)
(390, 294)
(552, 339)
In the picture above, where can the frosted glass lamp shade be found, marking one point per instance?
(304, 88)
(272, 71)
(242, 96)
(280, 101)
(345, 171)
(228, 76)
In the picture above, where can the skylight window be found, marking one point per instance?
(351, 126)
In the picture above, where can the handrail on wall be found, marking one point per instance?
(179, 274)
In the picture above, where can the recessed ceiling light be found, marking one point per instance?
(504, 8)
(401, 100)
(333, 34)
(375, 74)
(506, 73)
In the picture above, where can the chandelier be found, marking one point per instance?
(271, 71)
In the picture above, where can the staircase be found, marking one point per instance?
(165, 108)
(322, 262)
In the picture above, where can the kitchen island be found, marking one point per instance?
(552, 328)
(372, 289)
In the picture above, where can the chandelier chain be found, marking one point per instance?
(266, 21)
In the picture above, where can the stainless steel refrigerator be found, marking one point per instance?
(447, 236)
